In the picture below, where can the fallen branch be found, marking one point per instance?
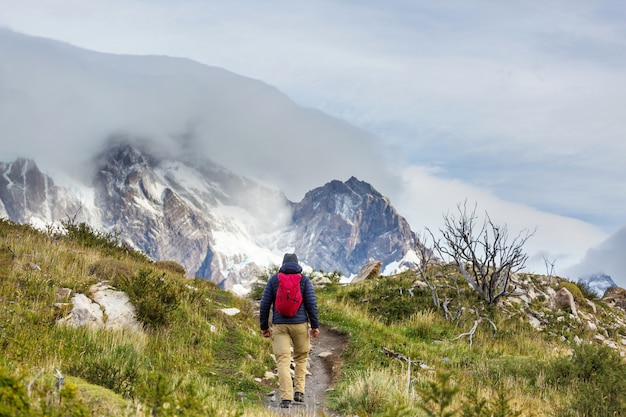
(29, 387)
(471, 332)
(395, 355)
(406, 359)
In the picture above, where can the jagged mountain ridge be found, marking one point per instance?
(29, 196)
(598, 283)
(217, 224)
(355, 210)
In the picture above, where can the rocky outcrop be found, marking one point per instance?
(369, 271)
(106, 308)
(564, 299)
(615, 296)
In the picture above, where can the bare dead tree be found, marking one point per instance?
(483, 253)
(549, 269)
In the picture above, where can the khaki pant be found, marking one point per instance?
(283, 336)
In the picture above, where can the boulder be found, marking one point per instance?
(564, 298)
(107, 308)
(615, 296)
(120, 313)
(84, 312)
(368, 271)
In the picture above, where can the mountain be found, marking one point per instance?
(29, 196)
(347, 223)
(598, 283)
(218, 225)
(605, 260)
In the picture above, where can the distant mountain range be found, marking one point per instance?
(220, 226)
(129, 144)
(604, 264)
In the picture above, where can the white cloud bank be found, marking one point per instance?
(514, 105)
(557, 239)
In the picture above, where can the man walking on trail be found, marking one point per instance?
(287, 331)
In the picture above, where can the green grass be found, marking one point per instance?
(192, 359)
(508, 370)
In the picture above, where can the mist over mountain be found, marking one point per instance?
(604, 261)
(218, 225)
(63, 108)
(61, 104)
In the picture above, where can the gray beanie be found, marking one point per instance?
(290, 257)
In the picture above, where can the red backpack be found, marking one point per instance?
(289, 294)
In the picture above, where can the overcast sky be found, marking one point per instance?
(517, 105)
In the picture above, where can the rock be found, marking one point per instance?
(120, 313)
(615, 296)
(420, 284)
(321, 281)
(324, 355)
(230, 311)
(368, 271)
(84, 313)
(564, 298)
(108, 308)
(534, 322)
(592, 305)
(63, 294)
(590, 327)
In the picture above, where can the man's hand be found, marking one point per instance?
(267, 333)
(314, 333)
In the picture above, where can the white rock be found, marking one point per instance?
(84, 313)
(108, 308)
(230, 311)
(120, 313)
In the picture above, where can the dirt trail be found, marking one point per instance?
(323, 369)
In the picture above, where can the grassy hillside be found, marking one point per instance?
(191, 358)
(506, 368)
(405, 357)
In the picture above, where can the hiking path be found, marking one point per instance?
(324, 364)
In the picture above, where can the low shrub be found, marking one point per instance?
(594, 376)
(13, 396)
(575, 290)
(171, 266)
(155, 297)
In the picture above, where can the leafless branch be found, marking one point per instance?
(29, 387)
(484, 254)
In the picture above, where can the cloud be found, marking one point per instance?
(515, 105)
(63, 104)
(426, 197)
(606, 258)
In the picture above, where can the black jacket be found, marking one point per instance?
(307, 311)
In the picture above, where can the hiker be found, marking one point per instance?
(286, 330)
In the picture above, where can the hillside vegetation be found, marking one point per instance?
(407, 355)
(190, 358)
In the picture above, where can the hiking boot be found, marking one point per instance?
(285, 404)
(298, 397)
